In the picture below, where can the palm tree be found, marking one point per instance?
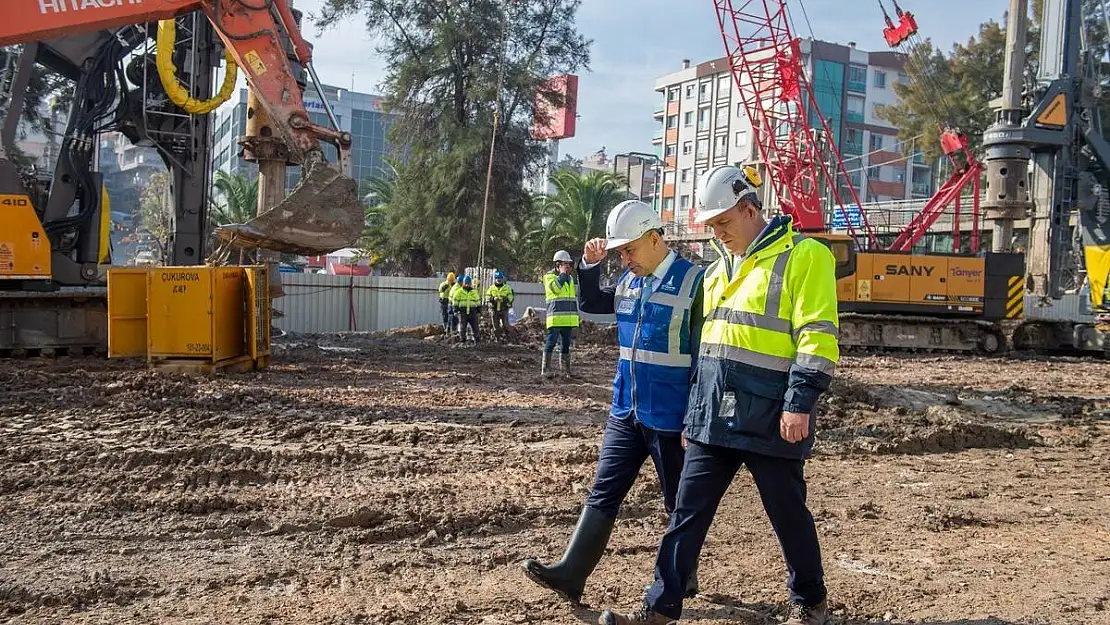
(240, 199)
(581, 203)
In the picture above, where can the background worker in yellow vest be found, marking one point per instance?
(499, 296)
(561, 293)
(445, 300)
(768, 350)
(468, 304)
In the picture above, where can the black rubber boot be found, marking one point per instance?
(567, 577)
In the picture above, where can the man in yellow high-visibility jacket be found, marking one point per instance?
(561, 294)
(768, 350)
(445, 300)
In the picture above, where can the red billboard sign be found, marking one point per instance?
(556, 108)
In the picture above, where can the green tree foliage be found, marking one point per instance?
(447, 60)
(581, 204)
(156, 212)
(237, 200)
(957, 88)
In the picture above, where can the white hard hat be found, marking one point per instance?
(628, 221)
(721, 188)
(563, 256)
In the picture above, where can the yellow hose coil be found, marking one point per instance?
(167, 36)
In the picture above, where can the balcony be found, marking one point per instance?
(921, 189)
(658, 114)
(854, 116)
(919, 158)
(857, 86)
(658, 138)
(853, 148)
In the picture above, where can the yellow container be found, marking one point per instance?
(209, 316)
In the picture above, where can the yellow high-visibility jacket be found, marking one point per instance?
(562, 302)
(768, 344)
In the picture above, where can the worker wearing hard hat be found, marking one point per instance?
(467, 302)
(499, 296)
(452, 314)
(561, 294)
(657, 304)
(445, 300)
(768, 351)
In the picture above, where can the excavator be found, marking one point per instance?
(145, 68)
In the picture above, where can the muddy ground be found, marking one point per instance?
(397, 480)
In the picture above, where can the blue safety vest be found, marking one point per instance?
(653, 373)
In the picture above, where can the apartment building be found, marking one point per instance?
(703, 124)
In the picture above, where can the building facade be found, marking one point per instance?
(703, 123)
(360, 114)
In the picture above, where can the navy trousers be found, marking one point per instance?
(627, 444)
(445, 313)
(553, 336)
(706, 476)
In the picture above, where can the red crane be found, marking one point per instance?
(766, 64)
(765, 59)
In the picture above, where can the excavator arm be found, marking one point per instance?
(322, 214)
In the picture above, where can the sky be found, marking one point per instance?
(637, 41)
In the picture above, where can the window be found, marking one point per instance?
(739, 109)
(857, 78)
(688, 119)
(689, 91)
(672, 94)
(671, 149)
(720, 144)
(878, 111)
(668, 177)
(668, 203)
(723, 84)
(876, 141)
(703, 118)
(854, 109)
(685, 175)
(880, 80)
(741, 138)
(687, 147)
(684, 201)
(873, 172)
(672, 121)
(703, 91)
(703, 149)
(903, 79)
(722, 117)
(899, 174)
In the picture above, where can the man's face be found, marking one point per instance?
(563, 267)
(737, 227)
(642, 255)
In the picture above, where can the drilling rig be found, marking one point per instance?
(1046, 159)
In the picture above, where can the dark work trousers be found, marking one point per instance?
(706, 476)
(446, 313)
(553, 336)
(468, 318)
(625, 447)
(500, 319)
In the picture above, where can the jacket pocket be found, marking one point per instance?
(758, 407)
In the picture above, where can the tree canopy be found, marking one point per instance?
(453, 65)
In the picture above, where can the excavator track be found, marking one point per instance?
(54, 323)
(868, 332)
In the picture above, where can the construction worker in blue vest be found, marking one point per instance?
(768, 351)
(561, 295)
(468, 304)
(445, 300)
(499, 297)
(656, 302)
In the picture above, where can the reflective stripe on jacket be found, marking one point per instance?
(653, 373)
(769, 343)
(466, 300)
(498, 295)
(562, 302)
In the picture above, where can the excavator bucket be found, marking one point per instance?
(321, 215)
